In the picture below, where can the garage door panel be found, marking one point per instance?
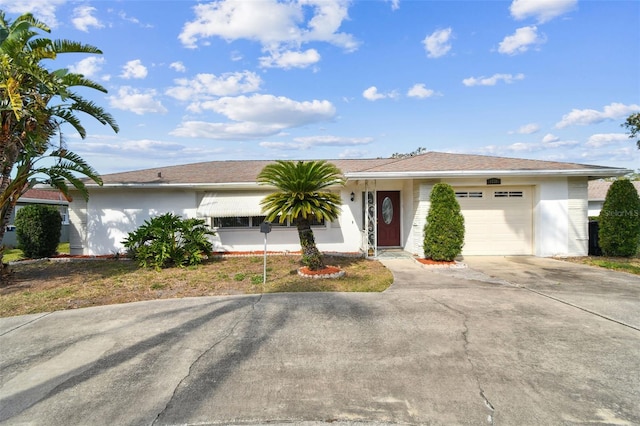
(497, 225)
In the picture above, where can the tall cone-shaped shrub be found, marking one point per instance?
(619, 222)
(444, 230)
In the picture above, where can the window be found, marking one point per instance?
(255, 221)
(64, 212)
(508, 194)
(469, 194)
(231, 222)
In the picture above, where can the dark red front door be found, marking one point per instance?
(388, 218)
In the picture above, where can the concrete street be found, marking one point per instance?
(507, 341)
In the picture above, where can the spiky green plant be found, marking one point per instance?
(302, 194)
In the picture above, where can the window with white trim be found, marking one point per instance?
(469, 194)
(508, 194)
(255, 221)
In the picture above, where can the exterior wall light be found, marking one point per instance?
(353, 196)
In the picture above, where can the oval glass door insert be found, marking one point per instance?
(387, 210)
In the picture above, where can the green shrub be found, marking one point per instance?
(38, 229)
(619, 233)
(444, 230)
(169, 240)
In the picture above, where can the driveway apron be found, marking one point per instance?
(438, 347)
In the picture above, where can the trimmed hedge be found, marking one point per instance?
(444, 230)
(38, 229)
(619, 233)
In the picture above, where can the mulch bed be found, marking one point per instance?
(435, 262)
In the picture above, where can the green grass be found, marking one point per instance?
(617, 265)
(11, 255)
(624, 264)
(54, 285)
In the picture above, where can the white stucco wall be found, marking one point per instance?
(112, 214)
(100, 226)
(551, 218)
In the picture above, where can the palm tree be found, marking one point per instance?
(303, 194)
(34, 103)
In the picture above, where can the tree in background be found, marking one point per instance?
(633, 126)
(420, 150)
(444, 230)
(619, 221)
(302, 194)
(34, 103)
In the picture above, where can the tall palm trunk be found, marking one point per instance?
(311, 256)
(8, 157)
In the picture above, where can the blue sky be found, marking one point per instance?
(306, 79)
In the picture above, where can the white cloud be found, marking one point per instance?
(353, 153)
(256, 116)
(88, 67)
(278, 26)
(280, 110)
(437, 44)
(83, 18)
(604, 139)
(493, 80)
(420, 91)
(522, 147)
(327, 140)
(290, 59)
(395, 4)
(119, 152)
(225, 131)
(520, 41)
(304, 143)
(527, 129)
(543, 10)
(136, 101)
(208, 86)
(45, 11)
(614, 111)
(178, 66)
(550, 138)
(236, 56)
(134, 69)
(372, 94)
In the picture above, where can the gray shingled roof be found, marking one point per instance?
(598, 189)
(246, 171)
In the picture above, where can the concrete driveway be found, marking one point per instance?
(507, 341)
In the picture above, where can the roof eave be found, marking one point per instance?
(141, 185)
(488, 173)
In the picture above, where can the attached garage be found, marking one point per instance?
(497, 220)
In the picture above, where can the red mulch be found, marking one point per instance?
(435, 262)
(328, 270)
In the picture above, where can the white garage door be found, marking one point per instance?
(498, 221)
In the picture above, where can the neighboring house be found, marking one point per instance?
(39, 196)
(511, 206)
(598, 192)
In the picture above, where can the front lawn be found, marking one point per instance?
(52, 285)
(631, 265)
(11, 255)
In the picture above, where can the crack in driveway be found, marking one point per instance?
(203, 354)
(465, 339)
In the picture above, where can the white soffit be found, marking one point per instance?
(231, 204)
